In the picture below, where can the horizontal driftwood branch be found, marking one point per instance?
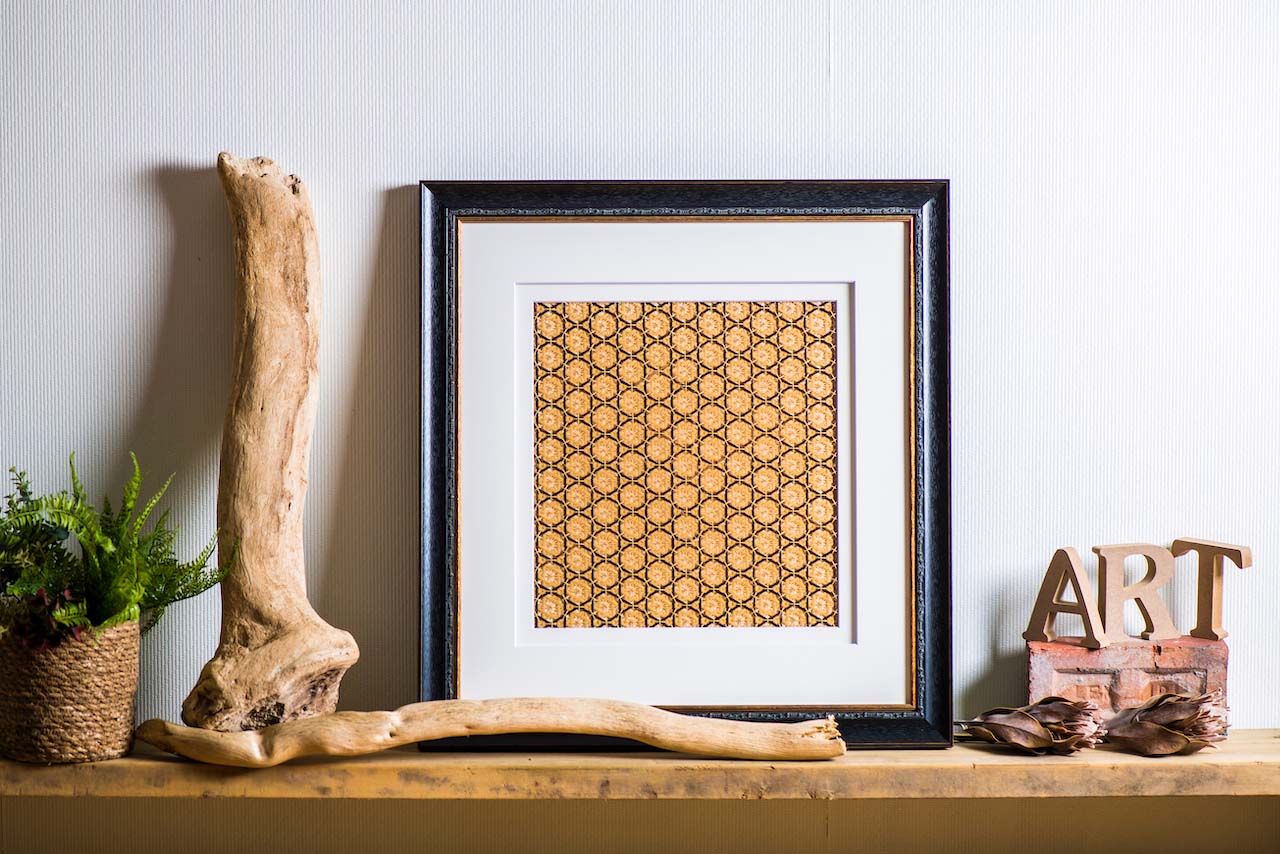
(355, 733)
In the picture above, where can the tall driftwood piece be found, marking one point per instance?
(277, 660)
(354, 733)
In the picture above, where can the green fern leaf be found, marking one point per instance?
(131, 489)
(77, 488)
(121, 571)
(151, 505)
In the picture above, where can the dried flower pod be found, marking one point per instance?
(1170, 724)
(1050, 725)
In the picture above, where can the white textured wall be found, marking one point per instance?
(1114, 305)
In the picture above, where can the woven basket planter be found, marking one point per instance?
(71, 703)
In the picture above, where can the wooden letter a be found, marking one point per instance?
(1065, 569)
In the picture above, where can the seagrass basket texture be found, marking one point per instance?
(70, 703)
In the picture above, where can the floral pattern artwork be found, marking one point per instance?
(685, 460)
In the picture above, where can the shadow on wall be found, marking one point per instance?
(369, 582)
(1005, 682)
(185, 394)
(177, 424)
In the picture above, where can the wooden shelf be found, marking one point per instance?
(1247, 764)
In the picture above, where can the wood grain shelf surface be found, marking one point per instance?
(1247, 764)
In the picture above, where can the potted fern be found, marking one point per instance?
(78, 587)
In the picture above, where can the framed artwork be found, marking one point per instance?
(687, 444)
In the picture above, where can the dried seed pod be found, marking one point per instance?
(1170, 724)
(1051, 725)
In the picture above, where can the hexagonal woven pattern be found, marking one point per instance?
(685, 459)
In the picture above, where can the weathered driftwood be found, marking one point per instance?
(355, 733)
(276, 660)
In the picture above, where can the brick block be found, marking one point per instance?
(1126, 674)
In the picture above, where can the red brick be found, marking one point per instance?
(1126, 674)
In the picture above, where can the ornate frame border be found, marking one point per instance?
(923, 204)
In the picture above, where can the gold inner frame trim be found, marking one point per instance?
(909, 426)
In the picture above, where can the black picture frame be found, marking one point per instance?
(924, 203)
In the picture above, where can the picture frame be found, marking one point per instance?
(531, 287)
